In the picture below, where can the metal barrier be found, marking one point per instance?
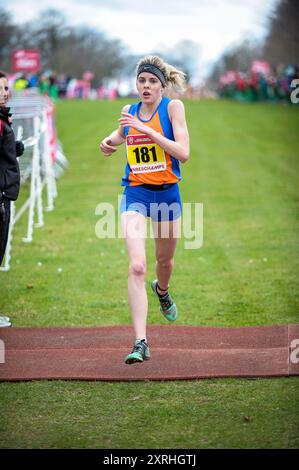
(42, 162)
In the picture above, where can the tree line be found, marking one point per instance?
(72, 50)
(65, 49)
(279, 48)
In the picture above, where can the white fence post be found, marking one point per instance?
(6, 265)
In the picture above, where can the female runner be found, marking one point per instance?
(157, 141)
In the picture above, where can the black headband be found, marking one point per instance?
(150, 68)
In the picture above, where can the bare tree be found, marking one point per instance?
(282, 42)
(238, 58)
(7, 39)
(85, 49)
(64, 49)
(184, 54)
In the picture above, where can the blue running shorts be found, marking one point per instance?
(159, 204)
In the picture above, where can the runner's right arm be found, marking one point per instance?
(108, 145)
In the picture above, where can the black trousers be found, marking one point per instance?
(4, 226)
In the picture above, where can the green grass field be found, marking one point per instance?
(244, 169)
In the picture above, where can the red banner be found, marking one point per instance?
(26, 60)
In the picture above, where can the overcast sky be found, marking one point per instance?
(145, 26)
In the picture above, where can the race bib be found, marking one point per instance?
(144, 155)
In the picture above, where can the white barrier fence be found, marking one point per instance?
(40, 165)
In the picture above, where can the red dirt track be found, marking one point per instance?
(177, 352)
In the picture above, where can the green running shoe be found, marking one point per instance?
(140, 352)
(167, 306)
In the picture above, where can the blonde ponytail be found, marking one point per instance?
(175, 78)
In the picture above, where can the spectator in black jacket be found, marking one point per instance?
(9, 169)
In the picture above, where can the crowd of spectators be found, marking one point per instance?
(48, 83)
(61, 86)
(260, 84)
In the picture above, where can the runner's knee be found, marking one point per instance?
(166, 263)
(137, 268)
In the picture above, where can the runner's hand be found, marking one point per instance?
(128, 120)
(106, 148)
